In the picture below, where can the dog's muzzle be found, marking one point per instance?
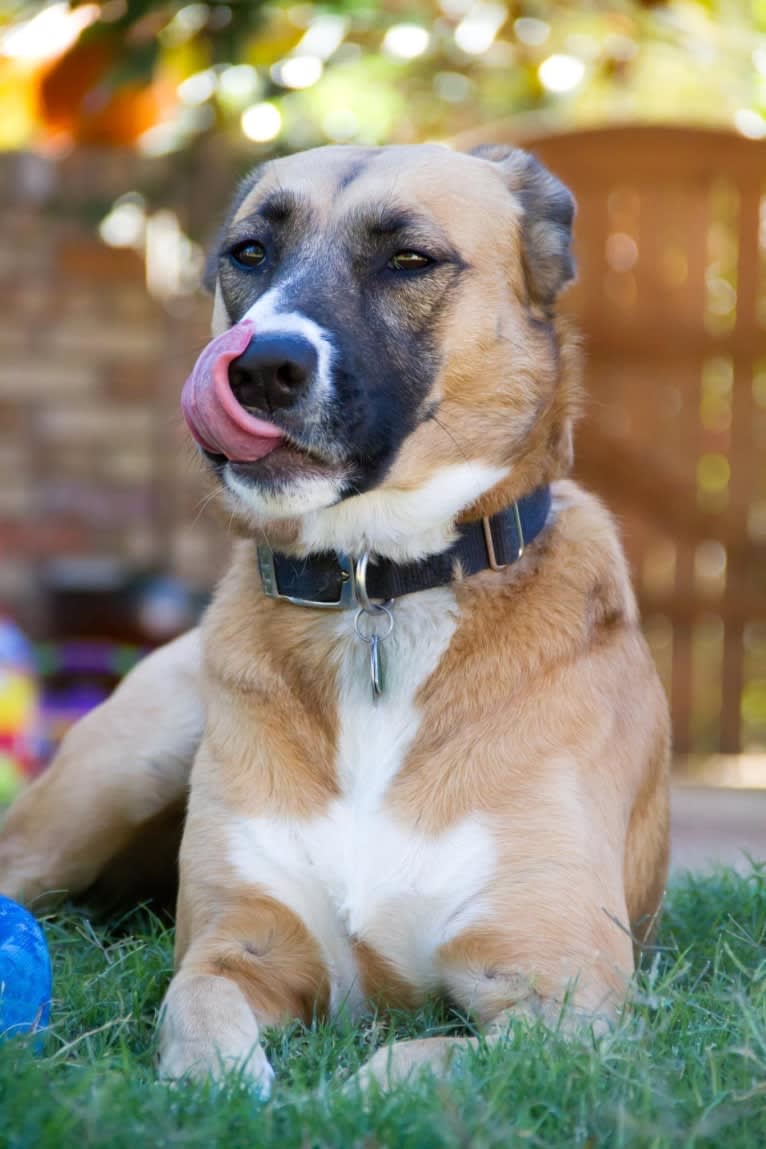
(232, 370)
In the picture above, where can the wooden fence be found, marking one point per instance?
(671, 296)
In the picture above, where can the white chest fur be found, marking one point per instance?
(356, 871)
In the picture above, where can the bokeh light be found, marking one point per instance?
(262, 122)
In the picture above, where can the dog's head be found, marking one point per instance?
(385, 351)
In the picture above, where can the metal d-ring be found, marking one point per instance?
(360, 582)
(360, 586)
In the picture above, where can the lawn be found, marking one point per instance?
(686, 1066)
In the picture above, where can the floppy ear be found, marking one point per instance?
(546, 227)
(244, 187)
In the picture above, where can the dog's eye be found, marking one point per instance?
(409, 261)
(249, 254)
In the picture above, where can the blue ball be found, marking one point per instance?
(25, 971)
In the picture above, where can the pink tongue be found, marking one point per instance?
(215, 418)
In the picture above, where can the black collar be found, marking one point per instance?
(334, 580)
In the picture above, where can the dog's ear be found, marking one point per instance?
(244, 187)
(547, 224)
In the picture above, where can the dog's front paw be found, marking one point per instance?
(199, 1060)
(395, 1064)
(208, 1030)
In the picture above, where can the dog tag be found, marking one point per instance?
(376, 668)
(366, 621)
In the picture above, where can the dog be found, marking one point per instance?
(430, 749)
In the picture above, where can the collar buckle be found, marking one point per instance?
(270, 582)
(489, 542)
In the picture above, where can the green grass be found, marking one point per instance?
(686, 1066)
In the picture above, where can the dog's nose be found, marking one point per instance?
(273, 371)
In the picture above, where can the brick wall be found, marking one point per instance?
(94, 460)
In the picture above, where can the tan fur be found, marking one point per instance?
(263, 948)
(119, 772)
(383, 985)
(272, 670)
(544, 718)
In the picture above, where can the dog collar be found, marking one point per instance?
(338, 581)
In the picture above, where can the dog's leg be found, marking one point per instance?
(566, 964)
(254, 964)
(243, 959)
(119, 770)
(393, 1064)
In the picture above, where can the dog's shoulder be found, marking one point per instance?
(586, 544)
(569, 594)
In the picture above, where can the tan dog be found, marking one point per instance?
(466, 793)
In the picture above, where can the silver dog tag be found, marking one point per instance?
(366, 621)
(376, 668)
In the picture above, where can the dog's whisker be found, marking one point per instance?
(204, 503)
(435, 418)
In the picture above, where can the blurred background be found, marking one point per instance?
(124, 126)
